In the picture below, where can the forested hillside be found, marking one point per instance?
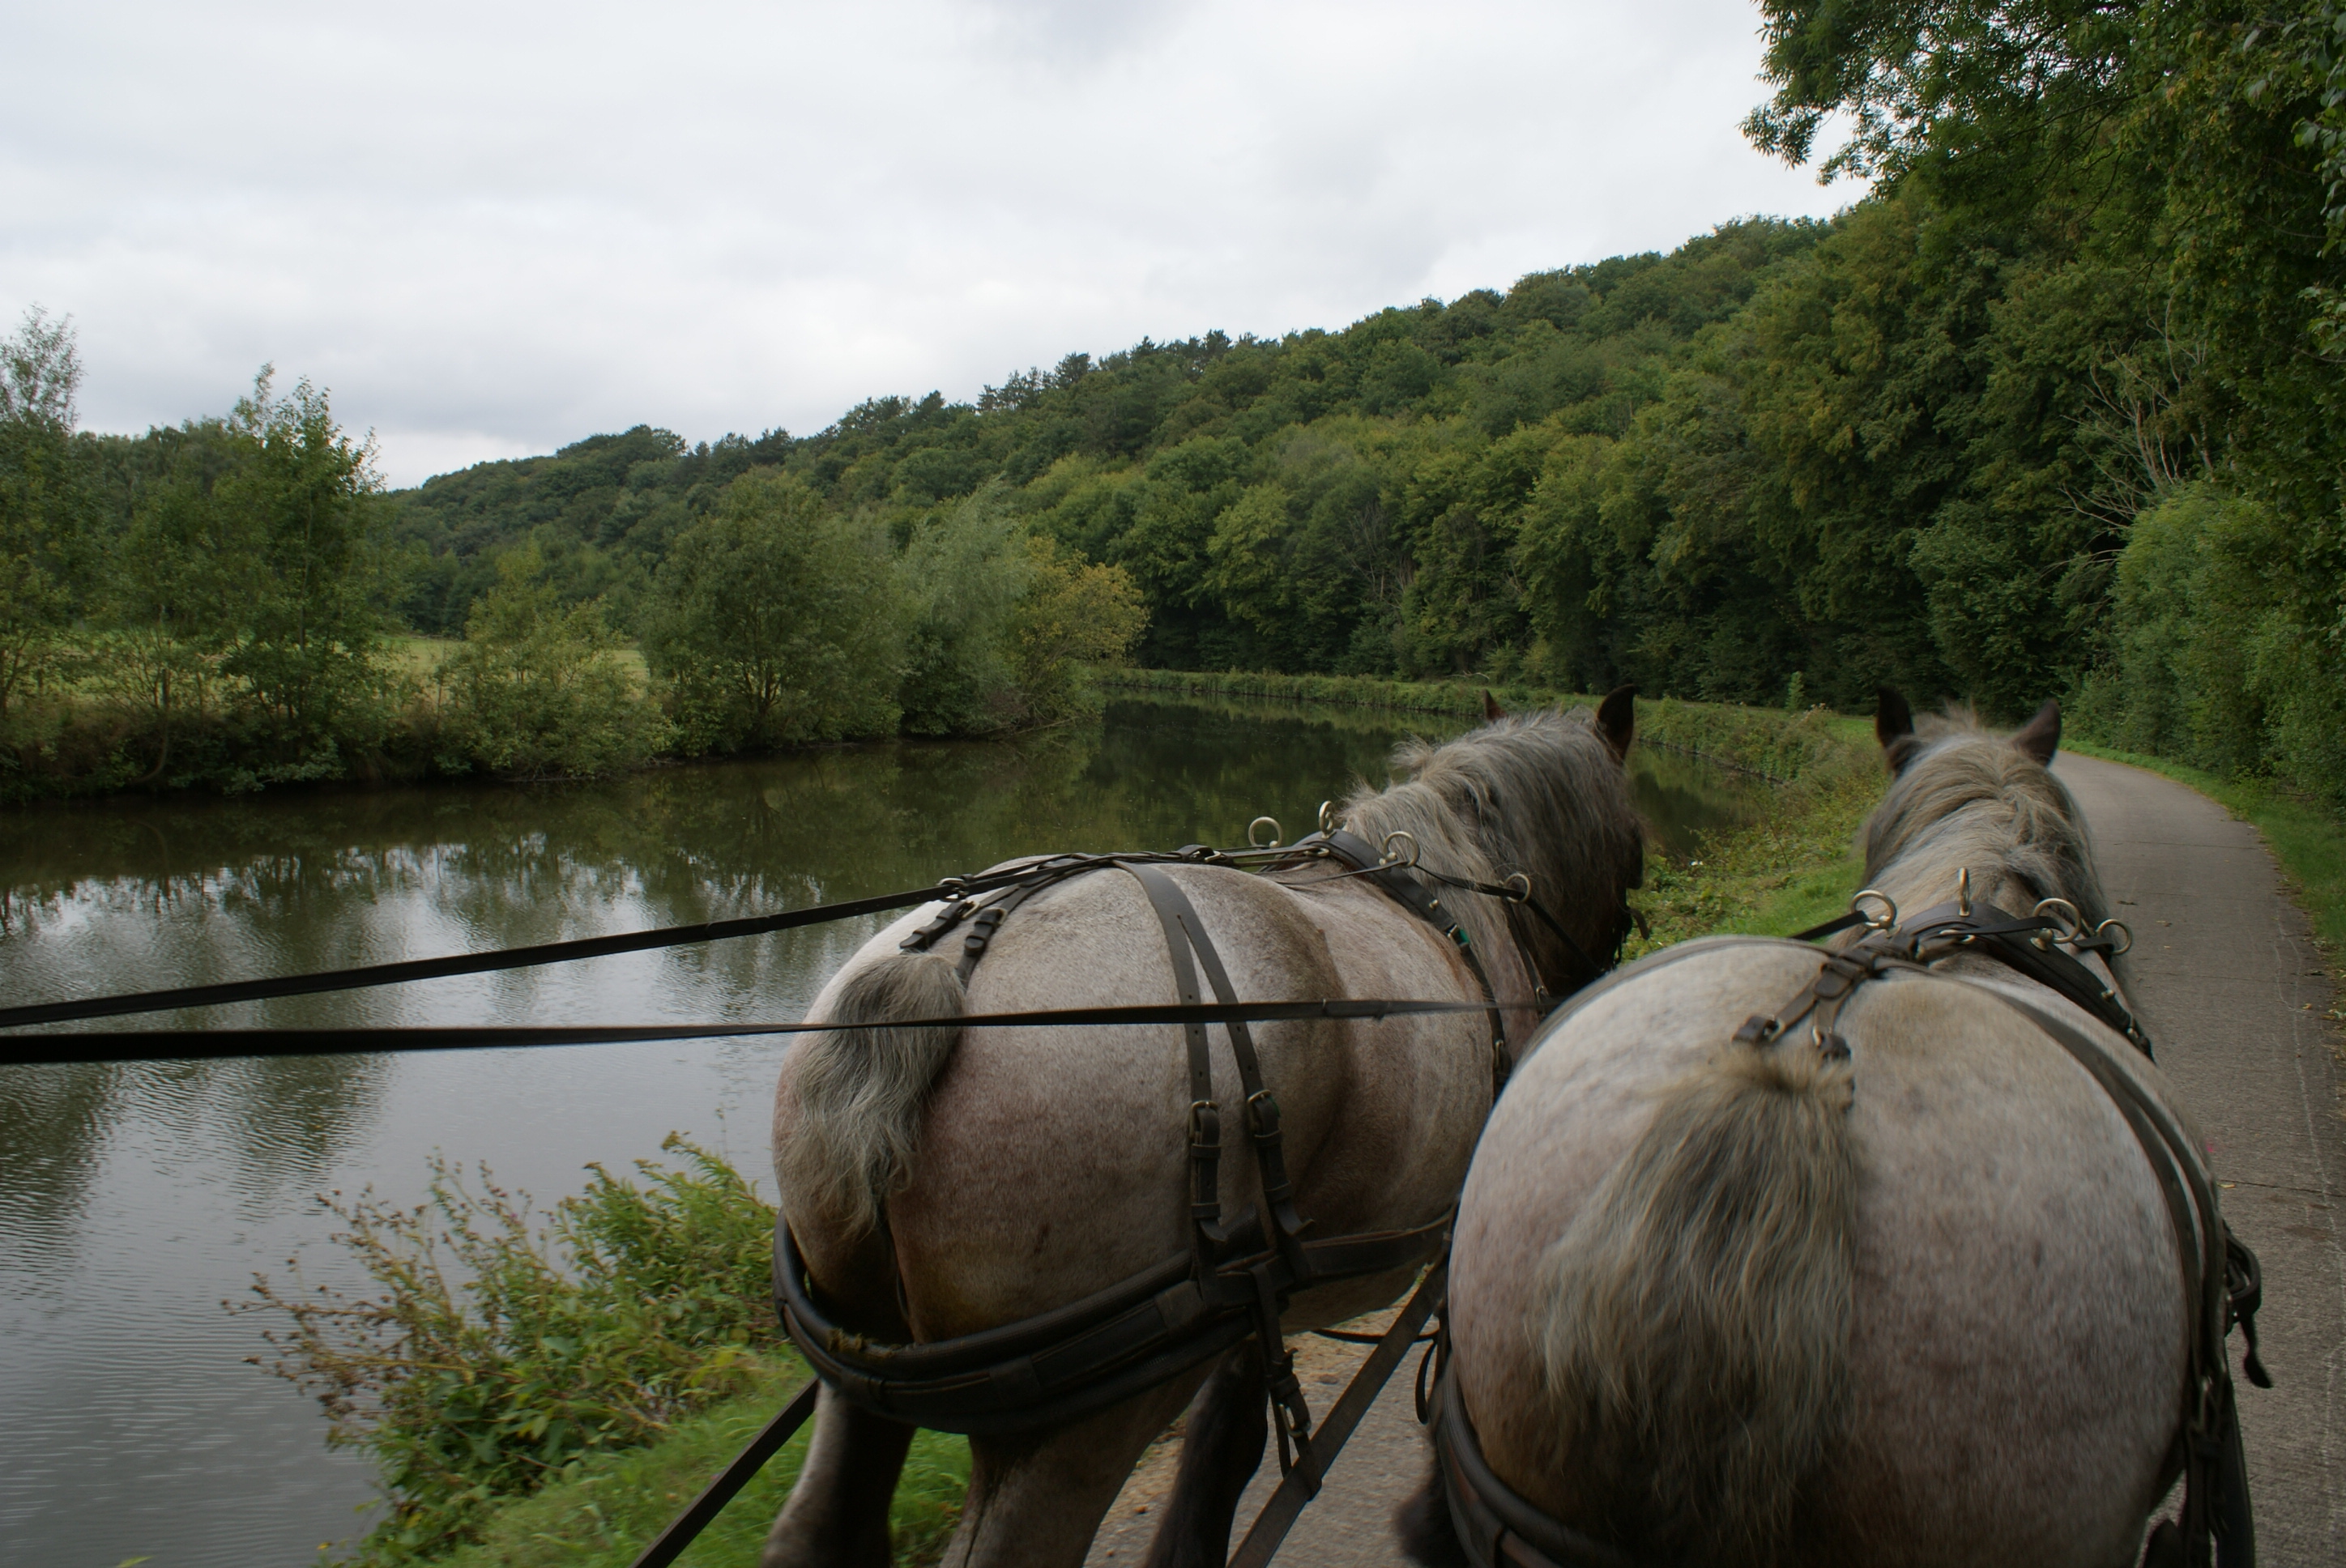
(2054, 409)
(2094, 283)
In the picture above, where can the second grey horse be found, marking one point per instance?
(1905, 1293)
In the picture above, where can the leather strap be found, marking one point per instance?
(1185, 933)
(1492, 1521)
(1357, 853)
(1078, 1359)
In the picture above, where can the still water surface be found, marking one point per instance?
(134, 1199)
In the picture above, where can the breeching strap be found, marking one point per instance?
(1301, 1484)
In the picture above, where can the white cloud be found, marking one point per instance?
(492, 229)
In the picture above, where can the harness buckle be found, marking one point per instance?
(1205, 1125)
(1262, 1114)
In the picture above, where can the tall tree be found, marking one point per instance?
(777, 619)
(47, 498)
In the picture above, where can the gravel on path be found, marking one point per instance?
(2227, 980)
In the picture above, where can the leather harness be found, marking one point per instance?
(1237, 1273)
(2221, 1278)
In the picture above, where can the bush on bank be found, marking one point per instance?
(501, 1347)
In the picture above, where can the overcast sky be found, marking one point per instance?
(492, 229)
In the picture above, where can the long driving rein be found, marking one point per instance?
(2221, 1282)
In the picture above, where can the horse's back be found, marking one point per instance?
(2015, 1345)
(1053, 1161)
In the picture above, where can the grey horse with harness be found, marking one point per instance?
(1052, 1238)
(1921, 1264)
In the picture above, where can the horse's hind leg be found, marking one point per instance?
(1035, 1500)
(837, 1515)
(1221, 1448)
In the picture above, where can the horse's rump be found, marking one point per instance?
(1953, 1328)
(1053, 1162)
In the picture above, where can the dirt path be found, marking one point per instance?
(2226, 977)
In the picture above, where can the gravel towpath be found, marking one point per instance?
(2226, 978)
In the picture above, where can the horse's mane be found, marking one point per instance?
(1537, 793)
(1969, 798)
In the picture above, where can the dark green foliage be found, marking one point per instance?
(46, 506)
(776, 620)
(502, 1345)
(538, 689)
(2209, 662)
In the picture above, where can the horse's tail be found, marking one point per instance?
(1695, 1332)
(860, 1092)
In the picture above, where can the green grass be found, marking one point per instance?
(1793, 866)
(601, 1516)
(2309, 840)
(419, 656)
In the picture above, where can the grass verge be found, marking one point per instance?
(613, 1505)
(1793, 867)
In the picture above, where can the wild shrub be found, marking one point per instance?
(777, 620)
(2210, 661)
(538, 689)
(501, 1343)
(1072, 616)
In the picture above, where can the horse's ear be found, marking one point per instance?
(1492, 712)
(1893, 726)
(2042, 736)
(1616, 718)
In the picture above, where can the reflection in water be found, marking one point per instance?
(134, 1198)
(1682, 799)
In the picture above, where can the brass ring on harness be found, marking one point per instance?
(1328, 823)
(1276, 833)
(2123, 930)
(1511, 881)
(1387, 845)
(1889, 918)
(2070, 928)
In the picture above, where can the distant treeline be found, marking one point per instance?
(2055, 410)
(216, 604)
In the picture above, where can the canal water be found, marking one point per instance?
(136, 1199)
